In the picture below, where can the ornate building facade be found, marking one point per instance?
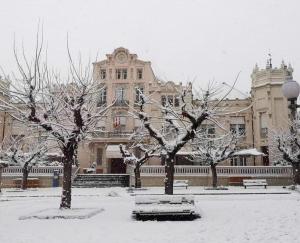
(124, 77)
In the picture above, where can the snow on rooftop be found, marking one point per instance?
(248, 152)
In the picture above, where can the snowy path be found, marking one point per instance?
(225, 218)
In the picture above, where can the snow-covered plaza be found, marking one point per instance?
(236, 217)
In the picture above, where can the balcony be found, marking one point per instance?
(122, 103)
(115, 134)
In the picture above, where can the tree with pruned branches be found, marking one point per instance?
(129, 158)
(179, 126)
(213, 150)
(287, 145)
(25, 152)
(63, 107)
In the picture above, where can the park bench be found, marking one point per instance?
(255, 182)
(181, 183)
(31, 182)
(156, 206)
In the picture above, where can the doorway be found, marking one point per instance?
(265, 150)
(117, 166)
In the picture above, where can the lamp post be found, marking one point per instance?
(291, 90)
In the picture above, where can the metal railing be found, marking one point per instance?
(221, 170)
(116, 134)
(121, 103)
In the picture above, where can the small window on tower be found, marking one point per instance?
(177, 101)
(170, 100)
(140, 73)
(163, 100)
(103, 74)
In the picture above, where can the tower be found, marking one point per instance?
(270, 108)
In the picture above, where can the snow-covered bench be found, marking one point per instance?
(181, 183)
(255, 182)
(164, 206)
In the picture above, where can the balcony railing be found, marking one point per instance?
(278, 171)
(116, 134)
(121, 103)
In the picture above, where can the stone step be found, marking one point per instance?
(101, 180)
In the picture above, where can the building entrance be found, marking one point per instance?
(117, 166)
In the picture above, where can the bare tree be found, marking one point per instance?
(212, 151)
(178, 128)
(289, 147)
(65, 108)
(24, 152)
(130, 159)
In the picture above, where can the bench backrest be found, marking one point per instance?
(164, 199)
(181, 181)
(254, 181)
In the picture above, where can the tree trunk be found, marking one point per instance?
(169, 169)
(296, 173)
(0, 178)
(25, 172)
(214, 176)
(67, 184)
(137, 174)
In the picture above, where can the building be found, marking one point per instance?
(124, 77)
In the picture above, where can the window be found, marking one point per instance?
(99, 156)
(121, 73)
(239, 161)
(263, 120)
(124, 73)
(103, 74)
(120, 94)
(118, 73)
(163, 100)
(102, 97)
(238, 129)
(120, 122)
(237, 125)
(139, 73)
(177, 101)
(170, 100)
(138, 92)
(208, 129)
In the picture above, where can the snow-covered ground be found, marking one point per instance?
(239, 218)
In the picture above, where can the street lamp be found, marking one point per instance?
(291, 90)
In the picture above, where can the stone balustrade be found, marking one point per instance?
(40, 170)
(221, 170)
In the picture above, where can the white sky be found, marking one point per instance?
(184, 39)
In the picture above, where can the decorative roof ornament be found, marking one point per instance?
(255, 69)
(283, 65)
(269, 61)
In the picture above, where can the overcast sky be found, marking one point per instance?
(184, 39)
